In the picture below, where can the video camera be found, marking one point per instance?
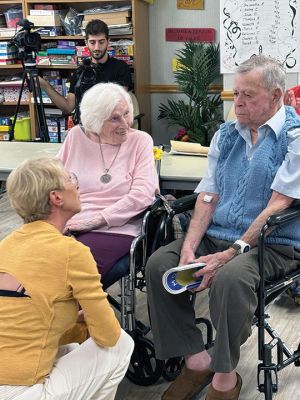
(89, 74)
(28, 43)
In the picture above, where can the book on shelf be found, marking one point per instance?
(61, 51)
(51, 111)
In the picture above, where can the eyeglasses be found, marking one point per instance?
(73, 179)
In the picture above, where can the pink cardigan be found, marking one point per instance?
(133, 185)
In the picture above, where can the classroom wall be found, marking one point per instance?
(164, 14)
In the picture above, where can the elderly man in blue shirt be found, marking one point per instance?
(253, 172)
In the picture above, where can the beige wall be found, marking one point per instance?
(164, 14)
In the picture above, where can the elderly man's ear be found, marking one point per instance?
(277, 95)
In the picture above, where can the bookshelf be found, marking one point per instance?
(140, 37)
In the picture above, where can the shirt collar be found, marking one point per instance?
(275, 123)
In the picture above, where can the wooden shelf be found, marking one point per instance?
(81, 37)
(140, 36)
(57, 66)
(14, 103)
(11, 66)
(11, 2)
(75, 1)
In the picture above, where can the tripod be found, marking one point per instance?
(31, 77)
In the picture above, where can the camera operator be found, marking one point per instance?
(110, 69)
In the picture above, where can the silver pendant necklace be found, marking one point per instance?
(106, 176)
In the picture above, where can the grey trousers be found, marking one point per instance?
(232, 301)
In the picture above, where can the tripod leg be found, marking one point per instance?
(40, 113)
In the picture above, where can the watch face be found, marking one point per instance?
(236, 247)
(246, 249)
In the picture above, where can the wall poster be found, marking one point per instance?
(269, 27)
(190, 4)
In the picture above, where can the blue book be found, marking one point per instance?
(61, 51)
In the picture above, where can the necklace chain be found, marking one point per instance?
(106, 176)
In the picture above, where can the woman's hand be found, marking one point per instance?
(213, 263)
(85, 225)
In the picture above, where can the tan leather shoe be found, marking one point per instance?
(233, 394)
(188, 384)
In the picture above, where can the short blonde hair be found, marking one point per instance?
(29, 185)
(99, 102)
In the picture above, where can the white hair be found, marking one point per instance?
(273, 74)
(99, 102)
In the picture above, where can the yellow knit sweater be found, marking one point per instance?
(57, 273)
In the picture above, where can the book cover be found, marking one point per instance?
(178, 279)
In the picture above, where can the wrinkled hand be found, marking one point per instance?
(84, 225)
(213, 263)
(187, 256)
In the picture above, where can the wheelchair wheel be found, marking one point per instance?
(144, 369)
(297, 362)
(268, 385)
(172, 368)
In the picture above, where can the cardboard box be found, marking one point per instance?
(108, 16)
(45, 20)
(47, 7)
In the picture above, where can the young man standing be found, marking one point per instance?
(107, 69)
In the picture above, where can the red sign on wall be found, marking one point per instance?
(190, 34)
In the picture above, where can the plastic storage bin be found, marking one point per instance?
(13, 16)
(22, 129)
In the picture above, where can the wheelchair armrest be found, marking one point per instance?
(185, 203)
(285, 216)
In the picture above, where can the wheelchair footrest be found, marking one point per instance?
(270, 372)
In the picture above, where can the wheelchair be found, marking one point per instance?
(144, 368)
(268, 368)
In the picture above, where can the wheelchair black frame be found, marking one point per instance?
(267, 293)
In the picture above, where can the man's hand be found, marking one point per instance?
(213, 263)
(187, 255)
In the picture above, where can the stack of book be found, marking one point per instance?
(9, 32)
(63, 54)
(117, 18)
(57, 127)
(123, 50)
(8, 53)
(60, 85)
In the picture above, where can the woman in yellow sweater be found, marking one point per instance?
(44, 276)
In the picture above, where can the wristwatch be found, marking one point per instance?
(240, 246)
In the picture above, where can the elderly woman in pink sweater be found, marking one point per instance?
(117, 178)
